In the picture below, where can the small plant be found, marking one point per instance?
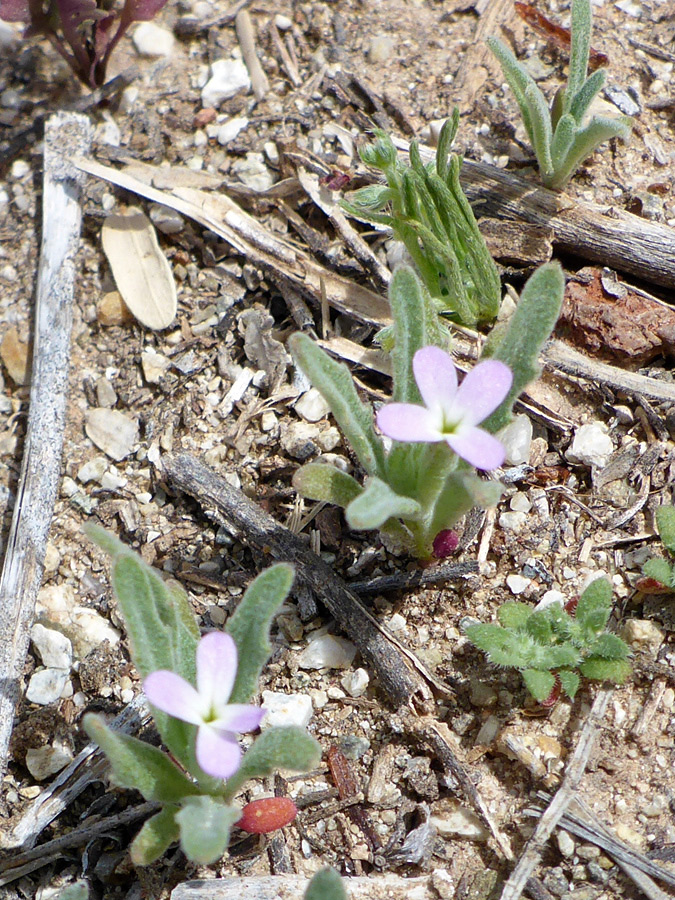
(84, 32)
(658, 568)
(198, 690)
(425, 482)
(554, 646)
(560, 137)
(326, 885)
(426, 209)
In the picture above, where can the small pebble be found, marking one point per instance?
(566, 844)
(520, 502)
(112, 432)
(286, 709)
(253, 172)
(154, 365)
(167, 220)
(380, 48)
(517, 584)
(512, 521)
(54, 648)
(46, 686)
(517, 440)
(93, 469)
(43, 762)
(228, 77)
(356, 682)
(105, 393)
(327, 651)
(312, 406)
(19, 169)
(643, 634)
(153, 40)
(592, 446)
(229, 130)
(282, 22)
(112, 310)
(452, 820)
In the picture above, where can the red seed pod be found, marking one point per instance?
(445, 543)
(268, 814)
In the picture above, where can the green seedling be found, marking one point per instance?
(425, 207)
(554, 646)
(563, 136)
(659, 568)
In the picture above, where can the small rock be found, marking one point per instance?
(592, 446)
(228, 77)
(488, 731)
(112, 481)
(286, 709)
(93, 470)
(328, 439)
(453, 820)
(520, 502)
(517, 440)
(14, 354)
(282, 22)
(643, 634)
(319, 698)
(19, 169)
(166, 220)
(112, 310)
(46, 761)
(90, 630)
(112, 432)
(229, 130)
(152, 40)
(52, 559)
(298, 439)
(154, 365)
(353, 746)
(56, 651)
(252, 171)
(551, 597)
(326, 651)
(512, 521)
(105, 393)
(482, 694)
(517, 584)
(356, 682)
(380, 48)
(311, 406)
(46, 686)
(268, 420)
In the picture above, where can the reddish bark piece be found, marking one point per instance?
(445, 543)
(571, 606)
(268, 814)
(556, 34)
(619, 326)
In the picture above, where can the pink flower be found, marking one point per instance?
(451, 413)
(217, 750)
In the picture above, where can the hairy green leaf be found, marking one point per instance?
(586, 141)
(155, 837)
(579, 49)
(138, 765)
(609, 646)
(569, 681)
(334, 382)
(285, 747)
(326, 885)
(595, 605)
(250, 626)
(665, 524)
(514, 615)
(563, 137)
(659, 569)
(205, 826)
(539, 683)
(614, 670)
(529, 328)
(592, 86)
(321, 481)
(376, 504)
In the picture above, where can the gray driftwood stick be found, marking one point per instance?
(67, 135)
(292, 887)
(401, 680)
(609, 236)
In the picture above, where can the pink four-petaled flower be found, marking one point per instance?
(217, 750)
(451, 413)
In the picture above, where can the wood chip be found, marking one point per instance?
(14, 354)
(142, 274)
(112, 432)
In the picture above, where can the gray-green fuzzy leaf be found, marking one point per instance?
(155, 837)
(334, 382)
(539, 683)
(586, 141)
(326, 885)
(595, 605)
(665, 524)
(321, 481)
(286, 747)
(250, 626)
(580, 47)
(138, 765)
(205, 826)
(659, 570)
(592, 86)
(376, 504)
(563, 137)
(528, 330)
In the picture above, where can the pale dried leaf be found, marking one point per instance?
(140, 269)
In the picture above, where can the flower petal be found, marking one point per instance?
(478, 448)
(218, 753)
(408, 422)
(174, 695)
(238, 718)
(216, 668)
(483, 389)
(436, 376)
